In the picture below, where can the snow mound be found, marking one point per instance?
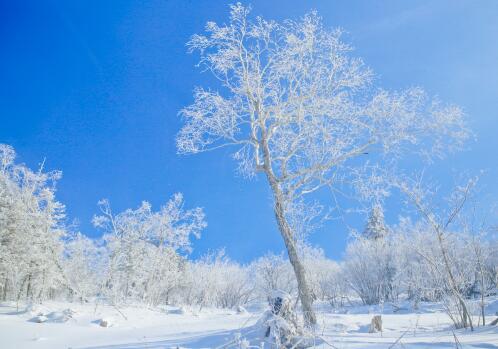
(179, 311)
(54, 316)
(61, 316)
(39, 319)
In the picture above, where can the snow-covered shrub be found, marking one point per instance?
(215, 280)
(280, 327)
(272, 272)
(233, 287)
(371, 269)
(451, 268)
(325, 277)
(422, 262)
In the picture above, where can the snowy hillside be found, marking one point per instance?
(170, 327)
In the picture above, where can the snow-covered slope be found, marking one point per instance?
(71, 325)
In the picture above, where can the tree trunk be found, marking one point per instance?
(465, 317)
(481, 272)
(286, 232)
(28, 288)
(5, 285)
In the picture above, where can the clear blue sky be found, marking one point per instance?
(95, 87)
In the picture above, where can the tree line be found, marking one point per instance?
(143, 257)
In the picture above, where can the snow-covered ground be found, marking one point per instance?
(72, 325)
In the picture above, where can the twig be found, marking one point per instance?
(328, 343)
(398, 339)
(458, 345)
(119, 311)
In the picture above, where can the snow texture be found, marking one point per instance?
(428, 327)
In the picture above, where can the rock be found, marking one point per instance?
(494, 322)
(376, 324)
(105, 323)
(241, 310)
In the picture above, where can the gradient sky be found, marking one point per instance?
(95, 88)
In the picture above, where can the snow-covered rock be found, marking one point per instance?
(106, 322)
(241, 310)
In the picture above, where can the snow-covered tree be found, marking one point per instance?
(83, 264)
(298, 108)
(144, 247)
(376, 227)
(31, 229)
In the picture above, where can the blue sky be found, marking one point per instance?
(95, 88)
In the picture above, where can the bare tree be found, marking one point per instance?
(300, 110)
(441, 225)
(481, 253)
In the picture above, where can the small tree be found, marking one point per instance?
(300, 110)
(375, 228)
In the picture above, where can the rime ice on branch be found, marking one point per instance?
(296, 106)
